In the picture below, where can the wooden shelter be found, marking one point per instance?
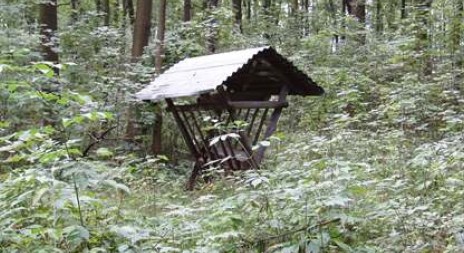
(232, 102)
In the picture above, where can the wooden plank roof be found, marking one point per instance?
(199, 75)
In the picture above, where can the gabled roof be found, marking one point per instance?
(199, 75)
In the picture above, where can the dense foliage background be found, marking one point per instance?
(375, 165)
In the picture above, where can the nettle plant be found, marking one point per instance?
(53, 196)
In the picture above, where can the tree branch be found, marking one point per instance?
(97, 139)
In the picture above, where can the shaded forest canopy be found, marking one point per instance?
(375, 165)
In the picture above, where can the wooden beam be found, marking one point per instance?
(260, 126)
(195, 173)
(253, 118)
(198, 107)
(243, 137)
(247, 147)
(183, 129)
(257, 104)
(226, 154)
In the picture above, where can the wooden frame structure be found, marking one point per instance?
(240, 108)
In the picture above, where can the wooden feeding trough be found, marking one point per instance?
(231, 103)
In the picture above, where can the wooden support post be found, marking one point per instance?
(253, 117)
(273, 122)
(260, 126)
(190, 129)
(246, 115)
(232, 152)
(204, 141)
(243, 138)
(199, 161)
(226, 154)
(183, 129)
(195, 172)
(249, 149)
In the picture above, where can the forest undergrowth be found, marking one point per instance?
(367, 168)
(374, 165)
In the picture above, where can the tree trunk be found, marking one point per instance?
(141, 28)
(106, 11)
(116, 12)
(211, 36)
(160, 33)
(378, 17)
(276, 15)
(48, 20)
(422, 36)
(139, 42)
(128, 10)
(267, 17)
(332, 9)
(456, 32)
(294, 7)
(403, 9)
(267, 7)
(204, 5)
(343, 25)
(305, 8)
(357, 8)
(237, 10)
(98, 6)
(74, 10)
(187, 10)
(248, 10)
(255, 8)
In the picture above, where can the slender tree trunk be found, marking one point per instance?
(305, 8)
(74, 10)
(378, 17)
(333, 15)
(140, 41)
(456, 32)
(422, 36)
(403, 9)
(211, 36)
(128, 10)
(294, 7)
(267, 17)
(160, 33)
(116, 12)
(237, 9)
(106, 11)
(267, 6)
(276, 15)
(357, 8)
(141, 28)
(343, 25)
(98, 6)
(248, 10)
(187, 10)
(48, 20)
(255, 7)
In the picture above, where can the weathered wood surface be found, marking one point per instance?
(235, 109)
(204, 74)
